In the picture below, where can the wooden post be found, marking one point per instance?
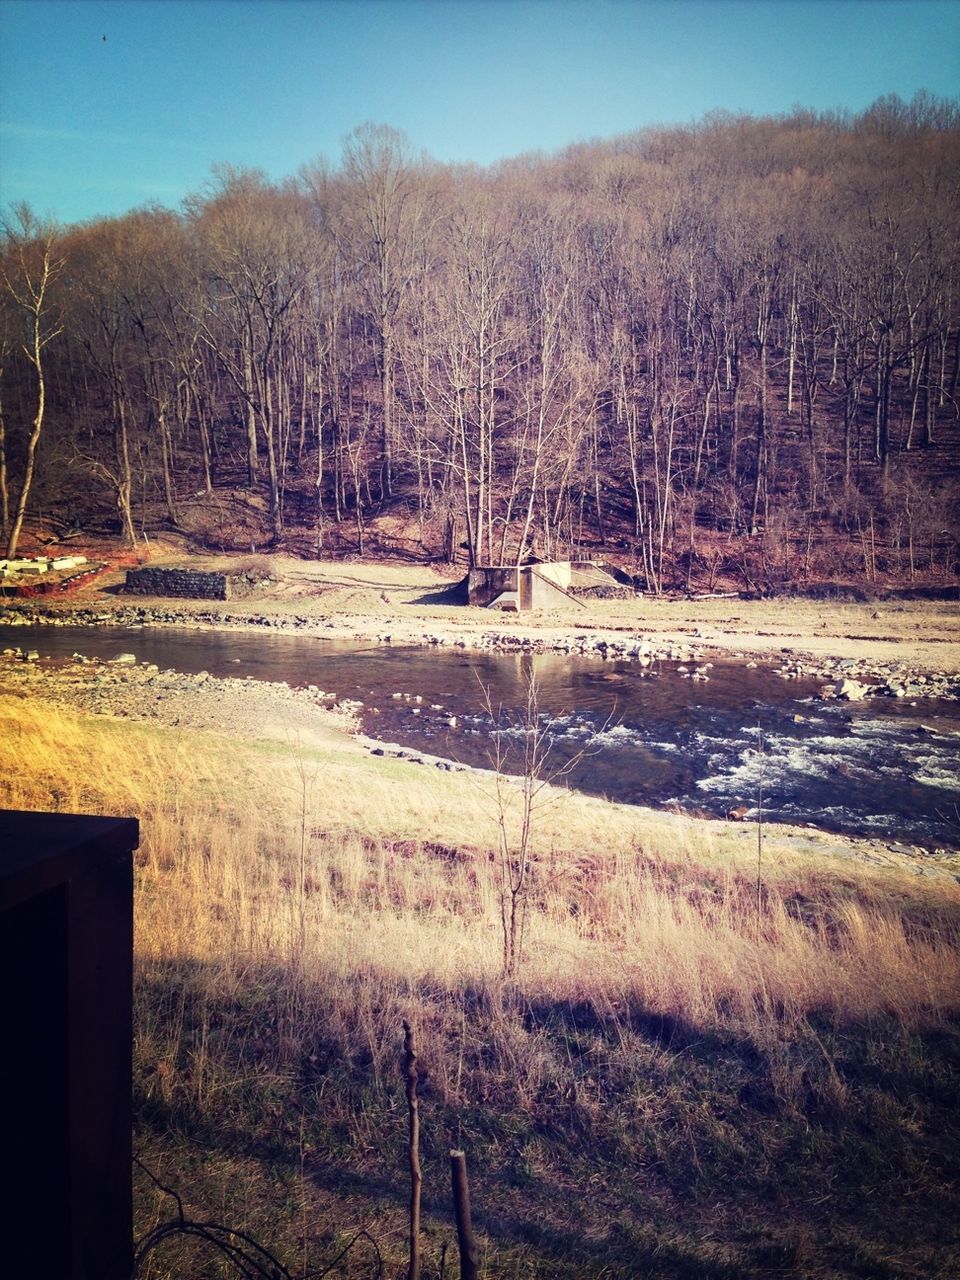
(469, 1255)
(413, 1148)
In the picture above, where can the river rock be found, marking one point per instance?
(851, 690)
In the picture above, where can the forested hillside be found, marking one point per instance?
(723, 353)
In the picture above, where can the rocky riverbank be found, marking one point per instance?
(126, 689)
(312, 718)
(845, 677)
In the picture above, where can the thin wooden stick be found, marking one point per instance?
(469, 1254)
(416, 1177)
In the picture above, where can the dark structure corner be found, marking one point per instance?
(66, 960)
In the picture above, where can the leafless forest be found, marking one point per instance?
(726, 352)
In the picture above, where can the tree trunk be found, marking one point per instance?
(36, 359)
(4, 489)
(166, 462)
(761, 454)
(253, 461)
(124, 484)
(386, 389)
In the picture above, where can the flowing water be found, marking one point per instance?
(651, 735)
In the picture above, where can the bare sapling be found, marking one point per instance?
(413, 1149)
(29, 268)
(524, 776)
(306, 781)
(760, 752)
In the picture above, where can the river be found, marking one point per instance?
(651, 735)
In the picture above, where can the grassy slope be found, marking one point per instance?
(674, 1086)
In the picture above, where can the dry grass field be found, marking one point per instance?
(685, 1078)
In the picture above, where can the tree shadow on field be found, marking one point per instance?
(643, 1144)
(456, 593)
(259, 1101)
(668, 1031)
(630, 1248)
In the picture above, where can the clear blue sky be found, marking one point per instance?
(92, 126)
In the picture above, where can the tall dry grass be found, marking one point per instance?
(293, 907)
(369, 875)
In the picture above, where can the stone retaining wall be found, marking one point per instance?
(189, 584)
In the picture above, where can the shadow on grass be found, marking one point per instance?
(655, 1147)
(669, 1031)
(455, 594)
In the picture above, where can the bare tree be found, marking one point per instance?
(387, 207)
(258, 254)
(31, 266)
(525, 773)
